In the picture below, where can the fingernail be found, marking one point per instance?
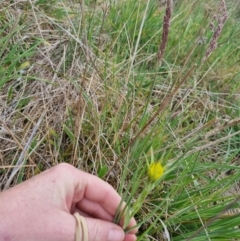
(115, 235)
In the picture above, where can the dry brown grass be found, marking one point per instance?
(52, 90)
(70, 88)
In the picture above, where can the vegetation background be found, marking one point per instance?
(108, 85)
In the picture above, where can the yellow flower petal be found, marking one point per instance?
(155, 171)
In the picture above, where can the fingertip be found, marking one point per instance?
(130, 237)
(132, 227)
(132, 224)
(103, 230)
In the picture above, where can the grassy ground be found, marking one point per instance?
(82, 83)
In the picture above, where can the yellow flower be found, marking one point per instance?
(155, 171)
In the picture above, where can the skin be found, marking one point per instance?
(41, 208)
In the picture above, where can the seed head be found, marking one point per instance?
(221, 18)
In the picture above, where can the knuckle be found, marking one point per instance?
(63, 169)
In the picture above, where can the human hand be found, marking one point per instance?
(41, 209)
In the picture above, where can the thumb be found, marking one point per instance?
(99, 230)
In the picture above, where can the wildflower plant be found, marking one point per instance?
(155, 172)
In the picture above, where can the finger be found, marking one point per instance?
(65, 228)
(130, 237)
(76, 210)
(97, 191)
(77, 185)
(89, 209)
(94, 210)
(99, 230)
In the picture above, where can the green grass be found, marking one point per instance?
(90, 72)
